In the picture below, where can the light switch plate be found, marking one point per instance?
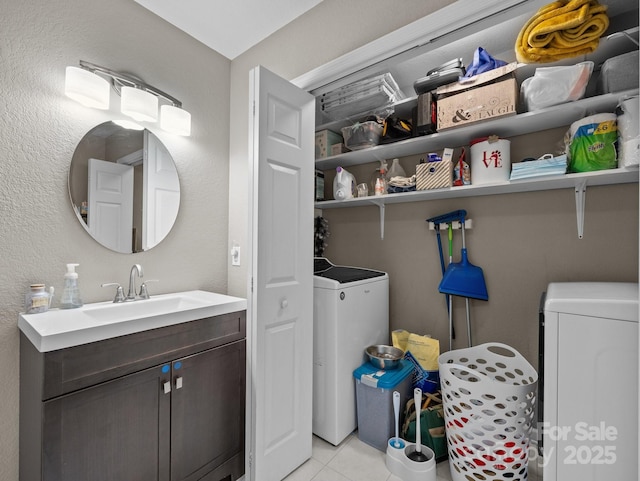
(235, 255)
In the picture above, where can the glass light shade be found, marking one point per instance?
(175, 120)
(128, 124)
(87, 88)
(139, 104)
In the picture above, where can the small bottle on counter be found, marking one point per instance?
(71, 294)
(37, 299)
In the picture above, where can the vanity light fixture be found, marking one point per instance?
(88, 85)
(138, 104)
(85, 87)
(128, 124)
(176, 120)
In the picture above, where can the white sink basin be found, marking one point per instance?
(155, 306)
(62, 328)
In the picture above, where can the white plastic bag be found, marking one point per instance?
(629, 140)
(555, 85)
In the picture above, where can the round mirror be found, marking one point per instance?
(124, 187)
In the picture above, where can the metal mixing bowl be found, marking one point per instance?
(384, 357)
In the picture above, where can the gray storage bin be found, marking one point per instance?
(619, 73)
(374, 401)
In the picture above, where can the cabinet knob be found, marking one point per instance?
(284, 303)
(166, 387)
(179, 382)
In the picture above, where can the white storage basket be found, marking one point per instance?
(488, 395)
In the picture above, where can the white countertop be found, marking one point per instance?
(63, 328)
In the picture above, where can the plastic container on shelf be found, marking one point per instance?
(362, 135)
(488, 395)
(379, 182)
(396, 170)
(344, 185)
(490, 160)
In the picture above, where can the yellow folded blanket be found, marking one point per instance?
(562, 30)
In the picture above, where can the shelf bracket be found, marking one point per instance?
(581, 192)
(380, 204)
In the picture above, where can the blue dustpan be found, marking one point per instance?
(464, 279)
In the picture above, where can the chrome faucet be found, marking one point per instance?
(119, 293)
(131, 294)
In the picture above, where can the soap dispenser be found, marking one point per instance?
(71, 293)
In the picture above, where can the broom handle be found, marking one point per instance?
(452, 329)
(464, 245)
(466, 299)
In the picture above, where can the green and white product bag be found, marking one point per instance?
(594, 143)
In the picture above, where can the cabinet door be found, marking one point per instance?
(117, 430)
(207, 410)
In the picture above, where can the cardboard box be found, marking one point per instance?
(337, 149)
(434, 175)
(477, 104)
(325, 139)
(485, 96)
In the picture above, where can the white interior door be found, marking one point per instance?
(160, 193)
(110, 198)
(280, 307)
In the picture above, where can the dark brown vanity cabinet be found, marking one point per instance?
(165, 404)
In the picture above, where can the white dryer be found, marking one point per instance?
(350, 312)
(590, 381)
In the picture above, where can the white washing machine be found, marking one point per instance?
(590, 381)
(350, 312)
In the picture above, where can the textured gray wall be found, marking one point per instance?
(39, 129)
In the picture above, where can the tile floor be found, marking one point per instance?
(354, 460)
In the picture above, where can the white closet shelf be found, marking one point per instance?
(578, 182)
(621, 175)
(521, 124)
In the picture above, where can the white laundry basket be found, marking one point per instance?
(488, 395)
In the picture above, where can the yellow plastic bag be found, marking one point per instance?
(424, 348)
